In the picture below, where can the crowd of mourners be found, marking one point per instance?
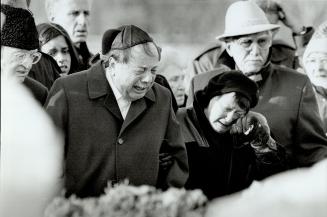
(254, 106)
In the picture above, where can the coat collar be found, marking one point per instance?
(97, 83)
(98, 86)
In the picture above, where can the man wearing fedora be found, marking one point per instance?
(285, 50)
(228, 145)
(116, 119)
(286, 98)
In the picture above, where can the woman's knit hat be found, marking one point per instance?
(19, 30)
(318, 42)
(230, 81)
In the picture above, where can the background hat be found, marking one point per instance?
(318, 42)
(243, 18)
(231, 81)
(19, 30)
(124, 37)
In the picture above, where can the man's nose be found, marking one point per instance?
(148, 77)
(255, 49)
(82, 19)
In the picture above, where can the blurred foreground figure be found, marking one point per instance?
(297, 193)
(31, 154)
(31, 150)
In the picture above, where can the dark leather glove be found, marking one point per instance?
(253, 129)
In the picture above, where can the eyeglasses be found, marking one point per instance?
(246, 43)
(33, 55)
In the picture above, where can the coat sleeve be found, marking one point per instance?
(174, 144)
(56, 105)
(311, 142)
(270, 162)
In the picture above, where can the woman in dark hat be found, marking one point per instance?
(55, 42)
(227, 145)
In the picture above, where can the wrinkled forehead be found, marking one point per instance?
(61, 6)
(317, 55)
(144, 52)
(256, 35)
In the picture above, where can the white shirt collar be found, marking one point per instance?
(123, 103)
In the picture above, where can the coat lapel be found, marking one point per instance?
(137, 108)
(98, 86)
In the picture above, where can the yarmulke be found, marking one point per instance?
(231, 81)
(19, 30)
(124, 37)
(107, 39)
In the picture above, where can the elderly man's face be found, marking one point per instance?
(176, 78)
(135, 78)
(74, 16)
(315, 66)
(250, 52)
(17, 62)
(223, 111)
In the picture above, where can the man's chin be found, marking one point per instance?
(79, 39)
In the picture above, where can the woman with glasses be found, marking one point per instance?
(55, 42)
(315, 65)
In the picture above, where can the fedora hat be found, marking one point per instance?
(244, 18)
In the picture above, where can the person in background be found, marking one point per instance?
(55, 42)
(286, 47)
(173, 68)
(228, 147)
(286, 97)
(19, 49)
(73, 16)
(116, 119)
(315, 65)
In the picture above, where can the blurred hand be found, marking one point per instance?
(288, 17)
(165, 161)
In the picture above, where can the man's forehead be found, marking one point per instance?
(257, 35)
(69, 5)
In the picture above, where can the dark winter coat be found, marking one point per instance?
(39, 91)
(101, 146)
(288, 102)
(218, 165)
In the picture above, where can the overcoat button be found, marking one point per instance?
(120, 141)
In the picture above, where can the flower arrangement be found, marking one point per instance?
(123, 200)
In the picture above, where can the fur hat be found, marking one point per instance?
(19, 30)
(230, 81)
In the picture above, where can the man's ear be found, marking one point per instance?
(112, 62)
(228, 49)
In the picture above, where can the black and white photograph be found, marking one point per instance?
(163, 108)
